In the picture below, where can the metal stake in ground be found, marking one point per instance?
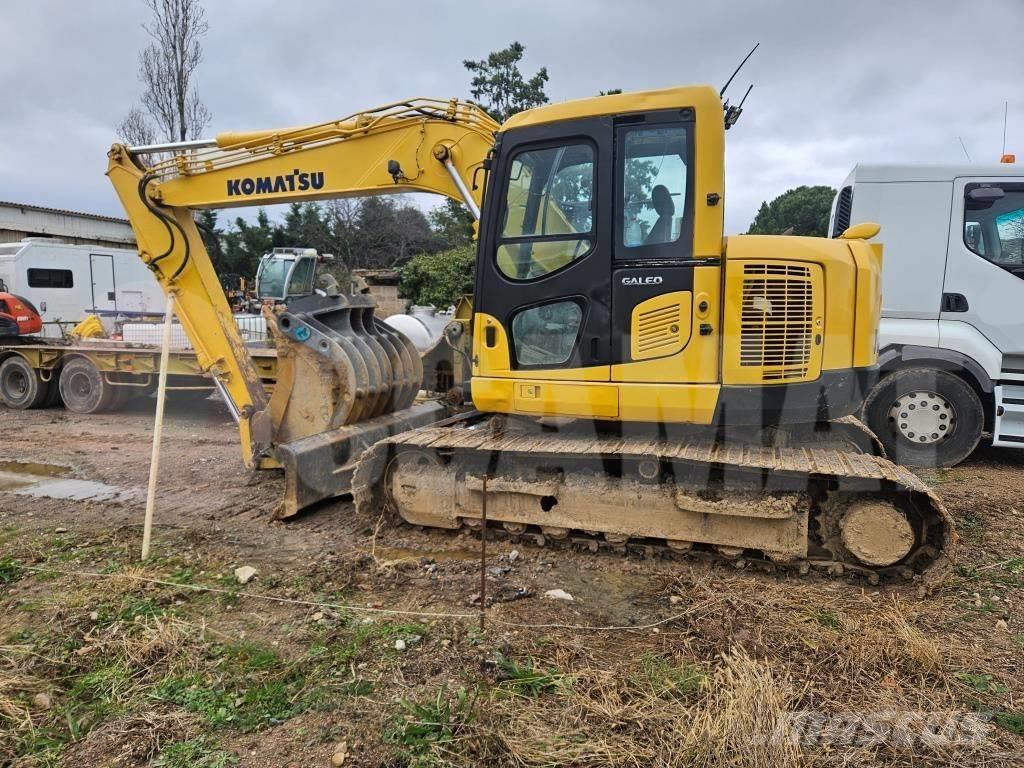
(483, 552)
(158, 426)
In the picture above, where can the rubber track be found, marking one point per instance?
(931, 563)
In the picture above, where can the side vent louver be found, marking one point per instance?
(777, 320)
(660, 326)
(844, 207)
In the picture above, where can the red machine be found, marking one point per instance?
(17, 316)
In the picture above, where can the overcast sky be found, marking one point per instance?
(835, 83)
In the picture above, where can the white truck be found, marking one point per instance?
(66, 282)
(951, 338)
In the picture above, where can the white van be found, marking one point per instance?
(951, 339)
(66, 282)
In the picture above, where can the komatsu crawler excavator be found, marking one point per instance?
(636, 376)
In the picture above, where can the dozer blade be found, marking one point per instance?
(320, 466)
(345, 380)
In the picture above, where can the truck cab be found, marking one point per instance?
(951, 337)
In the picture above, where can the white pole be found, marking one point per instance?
(158, 426)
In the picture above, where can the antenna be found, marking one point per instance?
(733, 112)
(963, 146)
(722, 92)
(1006, 110)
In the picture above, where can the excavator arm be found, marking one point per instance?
(423, 145)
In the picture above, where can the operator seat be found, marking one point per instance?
(661, 201)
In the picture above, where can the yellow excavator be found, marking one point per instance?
(637, 378)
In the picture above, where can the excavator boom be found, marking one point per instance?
(422, 145)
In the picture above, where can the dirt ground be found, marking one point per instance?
(358, 643)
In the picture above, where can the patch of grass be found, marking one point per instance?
(970, 525)
(1013, 565)
(1010, 721)
(133, 607)
(97, 693)
(10, 570)
(250, 686)
(406, 630)
(669, 680)
(982, 682)
(183, 576)
(526, 679)
(824, 618)
(238, 701)
(42, 746)
(202, 752)
(423, 731)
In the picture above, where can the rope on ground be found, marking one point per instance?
(367, 609)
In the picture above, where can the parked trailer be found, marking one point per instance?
(951, 337)
(67, 282)
(93, 375)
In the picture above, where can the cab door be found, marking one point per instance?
(653, 279)
(984, 281)
(543, 303)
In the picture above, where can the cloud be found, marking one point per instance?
(836, 84)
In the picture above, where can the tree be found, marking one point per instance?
(452, 222)
(390, 232)
(167, 68)
(438, 279)
(805, 209)
(213, 238)
(500, 86)
(245, 244)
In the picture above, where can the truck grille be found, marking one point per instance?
(777, 319)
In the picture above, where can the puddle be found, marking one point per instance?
(51, 481)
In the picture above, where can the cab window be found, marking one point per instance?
(994, 223)
(654, 180)
(548, 218)
(301, 281)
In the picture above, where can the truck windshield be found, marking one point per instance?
(271, 278)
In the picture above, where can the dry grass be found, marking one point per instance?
(131, 740)
(665, 716)
(15, 714)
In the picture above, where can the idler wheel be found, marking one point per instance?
(876, 533)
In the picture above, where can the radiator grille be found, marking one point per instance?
(777, 320)
(658, 329)
(844, 207)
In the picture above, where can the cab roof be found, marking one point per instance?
(877, 172)
(700, 97)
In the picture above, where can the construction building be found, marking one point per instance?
(20, 220)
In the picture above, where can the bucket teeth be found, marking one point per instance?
(346, 366)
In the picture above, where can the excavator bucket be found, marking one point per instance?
(345, 380)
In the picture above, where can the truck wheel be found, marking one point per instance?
(83, 389)
(925, 417)
(20, 385)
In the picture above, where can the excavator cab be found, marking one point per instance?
(287, 273)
